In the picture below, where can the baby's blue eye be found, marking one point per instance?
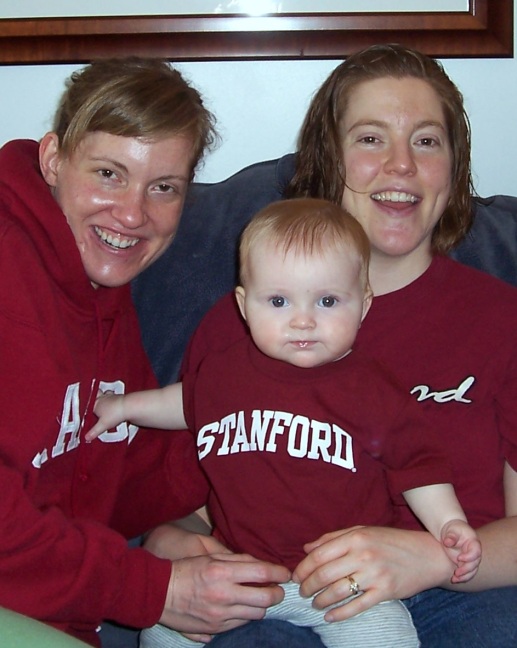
(278, 302)
(327, 301)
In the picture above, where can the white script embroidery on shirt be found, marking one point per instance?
(457, 394)
(303, 437)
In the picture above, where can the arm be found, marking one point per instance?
(156, 408)
(395, 564)
(438, 508)
(58, 564)
(499, 540)
(510, 490)
(434, 505)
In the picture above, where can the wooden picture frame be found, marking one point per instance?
(485, 30)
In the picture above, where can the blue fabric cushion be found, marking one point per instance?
(200, 266)
(491, 244)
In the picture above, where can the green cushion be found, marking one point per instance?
(18, 631)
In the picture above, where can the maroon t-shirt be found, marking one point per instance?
(292, 453)
(450, 338)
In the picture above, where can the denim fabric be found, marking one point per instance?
(443, 620)
(115, 636)
(267, 634)
(256, 634)
(446, 619)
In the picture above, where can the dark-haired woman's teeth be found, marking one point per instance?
(394, 196)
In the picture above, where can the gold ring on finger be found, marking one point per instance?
(354, 585)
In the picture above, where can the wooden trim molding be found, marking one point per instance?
(485, 30)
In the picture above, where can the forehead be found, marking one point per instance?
(382, 99)
(269, 258)
(170, 155)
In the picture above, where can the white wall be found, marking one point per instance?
(260, 106)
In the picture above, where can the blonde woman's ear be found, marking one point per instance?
(49, 158)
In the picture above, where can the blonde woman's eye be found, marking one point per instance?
(165, 188)
(106, 173)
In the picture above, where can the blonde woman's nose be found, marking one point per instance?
(130, 209)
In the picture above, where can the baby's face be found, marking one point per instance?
(304, 309)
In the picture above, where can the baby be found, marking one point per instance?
(297, 433)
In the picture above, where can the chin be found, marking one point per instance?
(308, 363)
(113, 275)
(110, 281)
(396, 248)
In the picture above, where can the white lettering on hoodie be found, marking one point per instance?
(71, 423)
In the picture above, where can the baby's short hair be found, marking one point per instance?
(305, 225)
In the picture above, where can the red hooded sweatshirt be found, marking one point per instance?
(67, 507)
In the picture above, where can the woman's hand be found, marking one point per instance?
(214, 593)
(385, 563)
(212, 589)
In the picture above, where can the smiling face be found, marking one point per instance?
(397, 159)
(122, 198)
(304, 309)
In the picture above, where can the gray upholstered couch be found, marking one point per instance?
(200, 266)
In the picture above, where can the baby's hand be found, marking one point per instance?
(109, 407)
(461, 544)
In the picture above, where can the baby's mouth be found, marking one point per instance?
(303, 344)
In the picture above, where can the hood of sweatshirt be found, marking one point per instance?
(27, 201)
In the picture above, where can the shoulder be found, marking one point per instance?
(369, 370)
(474, 282)
(219, 329)
(223, 322)
(474, 304)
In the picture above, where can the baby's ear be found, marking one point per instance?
(367, 302)
(240, 296)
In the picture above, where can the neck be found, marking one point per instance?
(388, 274)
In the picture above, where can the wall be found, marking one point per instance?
(260, 106)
